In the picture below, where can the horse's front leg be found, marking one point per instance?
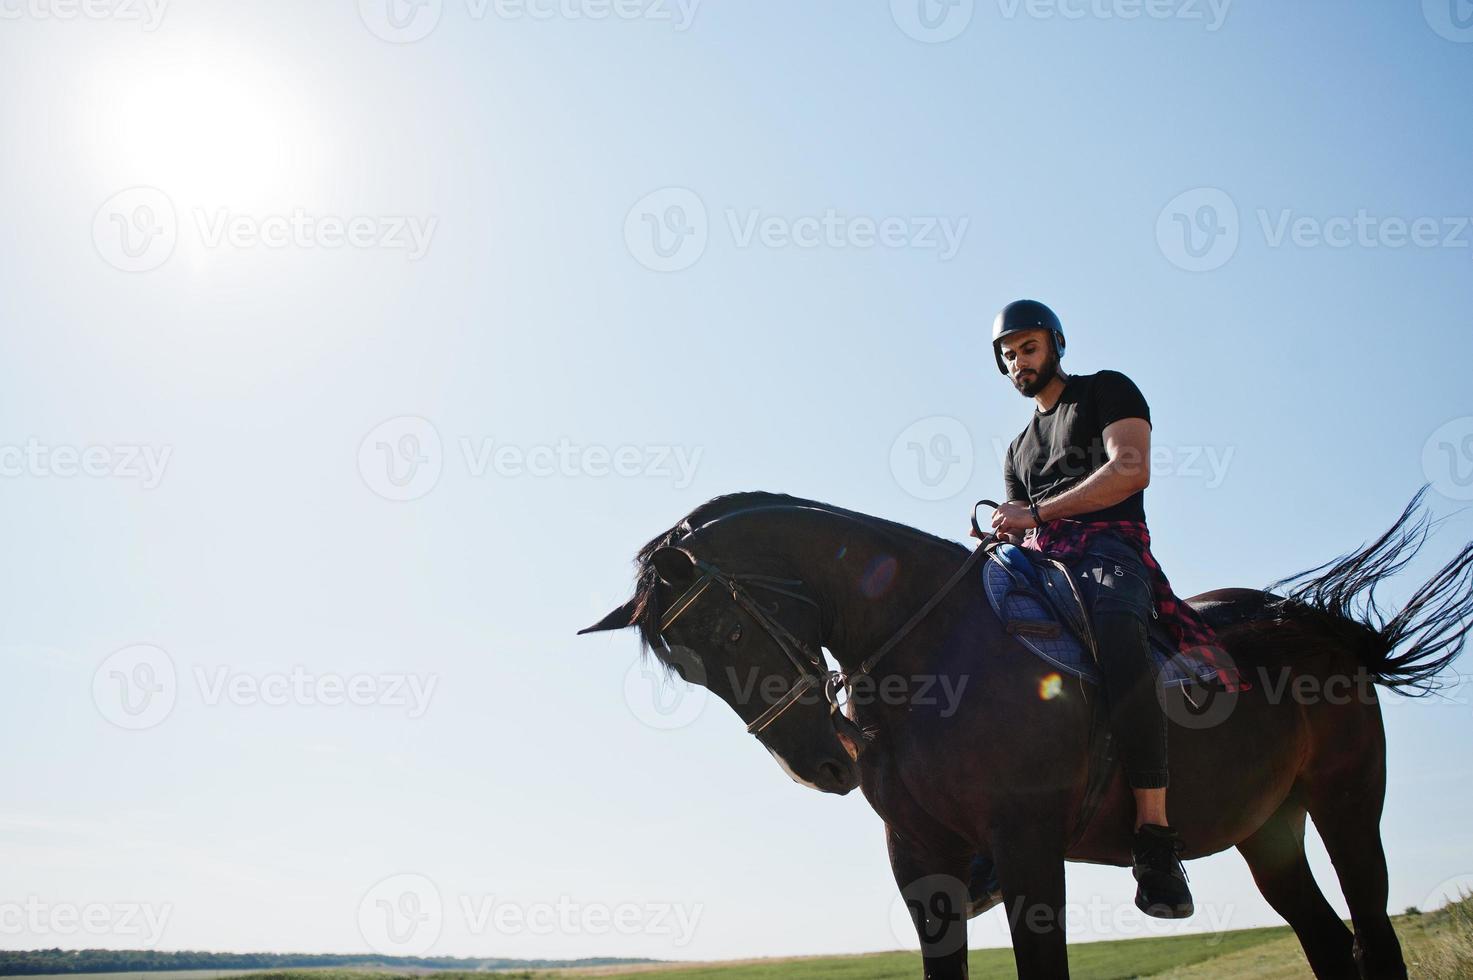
(1030, 868)
(933, 885)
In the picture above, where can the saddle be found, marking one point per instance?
(1038, 600)
(1049, 583)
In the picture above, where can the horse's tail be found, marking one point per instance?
(1429, 630)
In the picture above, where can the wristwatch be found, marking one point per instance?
(1033, 509)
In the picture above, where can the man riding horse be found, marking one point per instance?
(1075, 479)
(751, 588)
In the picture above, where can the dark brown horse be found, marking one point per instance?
(741, 595)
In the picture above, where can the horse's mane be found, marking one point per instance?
(646, 615)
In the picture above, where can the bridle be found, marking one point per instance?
(812, 671)
(810, 664)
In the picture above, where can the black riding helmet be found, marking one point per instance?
(1025, 314)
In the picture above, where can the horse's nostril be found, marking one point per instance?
(832, 771)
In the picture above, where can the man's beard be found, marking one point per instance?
(1037, 382)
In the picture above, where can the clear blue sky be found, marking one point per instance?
(534, 321)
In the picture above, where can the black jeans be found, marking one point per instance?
(1116, 585)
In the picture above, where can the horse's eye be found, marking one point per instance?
(736, 633)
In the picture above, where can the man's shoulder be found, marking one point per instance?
(1109, 382)
(1107, 376)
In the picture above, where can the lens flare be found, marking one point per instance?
(1050, 687)
(878, 575)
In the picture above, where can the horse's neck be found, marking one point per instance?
(871, 580)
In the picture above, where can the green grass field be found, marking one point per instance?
(1438, 946)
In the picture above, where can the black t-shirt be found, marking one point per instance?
(1064, 445)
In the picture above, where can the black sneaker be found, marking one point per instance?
(1161, 880)
(983, 891)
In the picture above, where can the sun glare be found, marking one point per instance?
(222, 131)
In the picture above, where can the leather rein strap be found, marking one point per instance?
(921, 613)
(812, 670)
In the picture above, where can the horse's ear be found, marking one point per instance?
(674, 566)
(616, 620)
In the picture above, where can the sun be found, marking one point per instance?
(209, 127)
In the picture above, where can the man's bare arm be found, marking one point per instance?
(1128, 471)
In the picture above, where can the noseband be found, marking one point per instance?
(812, 671)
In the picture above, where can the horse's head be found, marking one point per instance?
(750, 635)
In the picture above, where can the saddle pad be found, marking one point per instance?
(1064, 651)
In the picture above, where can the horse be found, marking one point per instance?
(745, 592)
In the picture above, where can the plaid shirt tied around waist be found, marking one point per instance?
(1069, 541)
